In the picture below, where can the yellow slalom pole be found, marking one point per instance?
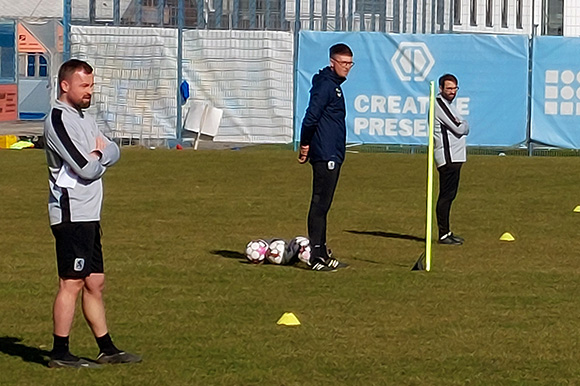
(429, 228)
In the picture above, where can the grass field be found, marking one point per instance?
(489, 312)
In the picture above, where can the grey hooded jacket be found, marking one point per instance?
(449, 132)
(76, 188)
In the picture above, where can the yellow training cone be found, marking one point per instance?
(507, 237)
(577, 209)
(289, 319)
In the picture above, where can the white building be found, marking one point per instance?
(551, 17)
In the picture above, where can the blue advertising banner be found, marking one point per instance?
(556, 91)
(387, 91)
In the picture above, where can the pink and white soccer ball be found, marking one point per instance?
(256, 251)
(305, 250)
(276, 252)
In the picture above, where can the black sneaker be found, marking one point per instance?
(449, 239)
(320, 266)
(120, 357)
(457, 237)
(69, 360)
(333, 263)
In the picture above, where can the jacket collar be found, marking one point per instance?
(66, 107)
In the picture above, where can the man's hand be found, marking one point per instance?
(303, 156)
(100, 145)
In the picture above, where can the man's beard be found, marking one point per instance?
(83, 104)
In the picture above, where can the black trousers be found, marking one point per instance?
(448, 186)
(324, 180)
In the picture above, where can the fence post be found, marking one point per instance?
(180, 24)
(324, 15)
(295, 72)
(349, 17)
(405, 5)
(529, 143)
(116, 12)
(92, 12)
(414, 16)
(236, 14)
(267, 16)
(66, 32)
(311, 16)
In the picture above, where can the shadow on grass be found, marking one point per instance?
(391, 235)
(10, 345)
(237, 255)
(228, 254)
(231, 255)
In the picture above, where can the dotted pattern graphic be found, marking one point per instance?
(562, 92)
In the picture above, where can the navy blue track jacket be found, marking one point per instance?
(323, 127)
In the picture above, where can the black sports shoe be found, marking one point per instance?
(120, 357)
(320, 266)
(457, 237)
(449, 239)
(332, 262)
(69, 360)
(335, 264)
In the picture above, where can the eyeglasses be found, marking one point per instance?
(343, 63)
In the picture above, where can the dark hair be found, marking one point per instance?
(70, 67)
(446, 77)
(340, 49)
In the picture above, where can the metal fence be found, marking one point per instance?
(405, 16)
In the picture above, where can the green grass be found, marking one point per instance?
(489, 312)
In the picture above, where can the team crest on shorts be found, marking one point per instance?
(79, 264)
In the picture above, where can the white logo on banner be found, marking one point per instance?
(413, 60)
(562, 93)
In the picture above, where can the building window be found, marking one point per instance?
(553, 17)
(473, 13)
(33, 65)
(457, 12)
(504, 13)
(31, 71)
(519, 14)
(42, 67)
(489, 13)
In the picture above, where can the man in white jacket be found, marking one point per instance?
(449, 132)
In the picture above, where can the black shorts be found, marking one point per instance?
(78, 249)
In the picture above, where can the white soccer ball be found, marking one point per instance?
(256, 251)
(276, 252)
(302, 245)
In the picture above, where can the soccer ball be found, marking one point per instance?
(300, 246)
(276, 252)
(256, 251)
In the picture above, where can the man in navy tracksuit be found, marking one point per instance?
(323, 142)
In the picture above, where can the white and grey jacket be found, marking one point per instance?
(76, 188)
(449, 132)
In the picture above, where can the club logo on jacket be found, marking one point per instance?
(338, 92)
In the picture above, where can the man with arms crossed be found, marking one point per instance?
(449, 133)
(323, 141)
(78, 155)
